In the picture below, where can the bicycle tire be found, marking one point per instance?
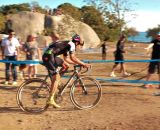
(32, 95)
(85, 99)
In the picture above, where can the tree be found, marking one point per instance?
(35, 5)
(93, 17)
(14, 8)
(89, 15)
(131, 32)
(114, 12)
(71, 10)
(153, 32)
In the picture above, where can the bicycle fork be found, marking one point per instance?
(81, 84)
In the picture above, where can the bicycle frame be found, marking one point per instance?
(75, 74)
(75, 80)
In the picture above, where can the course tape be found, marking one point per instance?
(95, 61)
(103, 61)
(125, 81)
(86, 61)
(128, 81)
(21, 62)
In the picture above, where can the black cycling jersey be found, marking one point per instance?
(60, 47)
(50, 59)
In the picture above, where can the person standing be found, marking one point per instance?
(32, 53)
(119, 57)
(155, 55)
(104, 50)
(0, 45)
(10, 50)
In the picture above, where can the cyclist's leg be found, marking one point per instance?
(61, 63)
(51, 65)
(54, 86)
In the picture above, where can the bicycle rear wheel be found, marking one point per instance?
(85, 93)
(32, 95)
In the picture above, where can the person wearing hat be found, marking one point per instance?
(155, 55)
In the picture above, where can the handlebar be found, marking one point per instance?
(80, 67)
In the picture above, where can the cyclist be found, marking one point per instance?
(51, 60)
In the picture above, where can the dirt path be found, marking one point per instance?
(122, 107)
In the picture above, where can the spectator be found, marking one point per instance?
(155, 55)
(0, 44)
(119, 57)
(55, 36)
(32, 53)
(50, 12)
(57, 11)
(104, 50)
(45, 46)
(22, 66)
(10, 51)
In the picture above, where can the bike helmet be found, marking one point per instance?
(76, 38)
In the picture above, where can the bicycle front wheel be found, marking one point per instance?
(32, 95)
(85, 93)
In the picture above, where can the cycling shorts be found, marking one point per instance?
(51, 62)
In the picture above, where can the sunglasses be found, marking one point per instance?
(12, 34)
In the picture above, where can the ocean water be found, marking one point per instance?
(140, 37)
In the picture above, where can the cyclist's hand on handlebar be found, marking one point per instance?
(87, 65)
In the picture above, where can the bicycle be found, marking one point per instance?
(85, 92)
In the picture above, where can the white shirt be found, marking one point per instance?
(10, 46)
(73, 47)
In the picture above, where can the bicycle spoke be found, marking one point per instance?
(32, 96)
(85, 93)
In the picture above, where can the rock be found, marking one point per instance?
(25, 23)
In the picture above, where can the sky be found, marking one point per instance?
(147, 12)
(147, 15)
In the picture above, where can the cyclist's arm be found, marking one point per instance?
(68, 60)
(77, 61)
